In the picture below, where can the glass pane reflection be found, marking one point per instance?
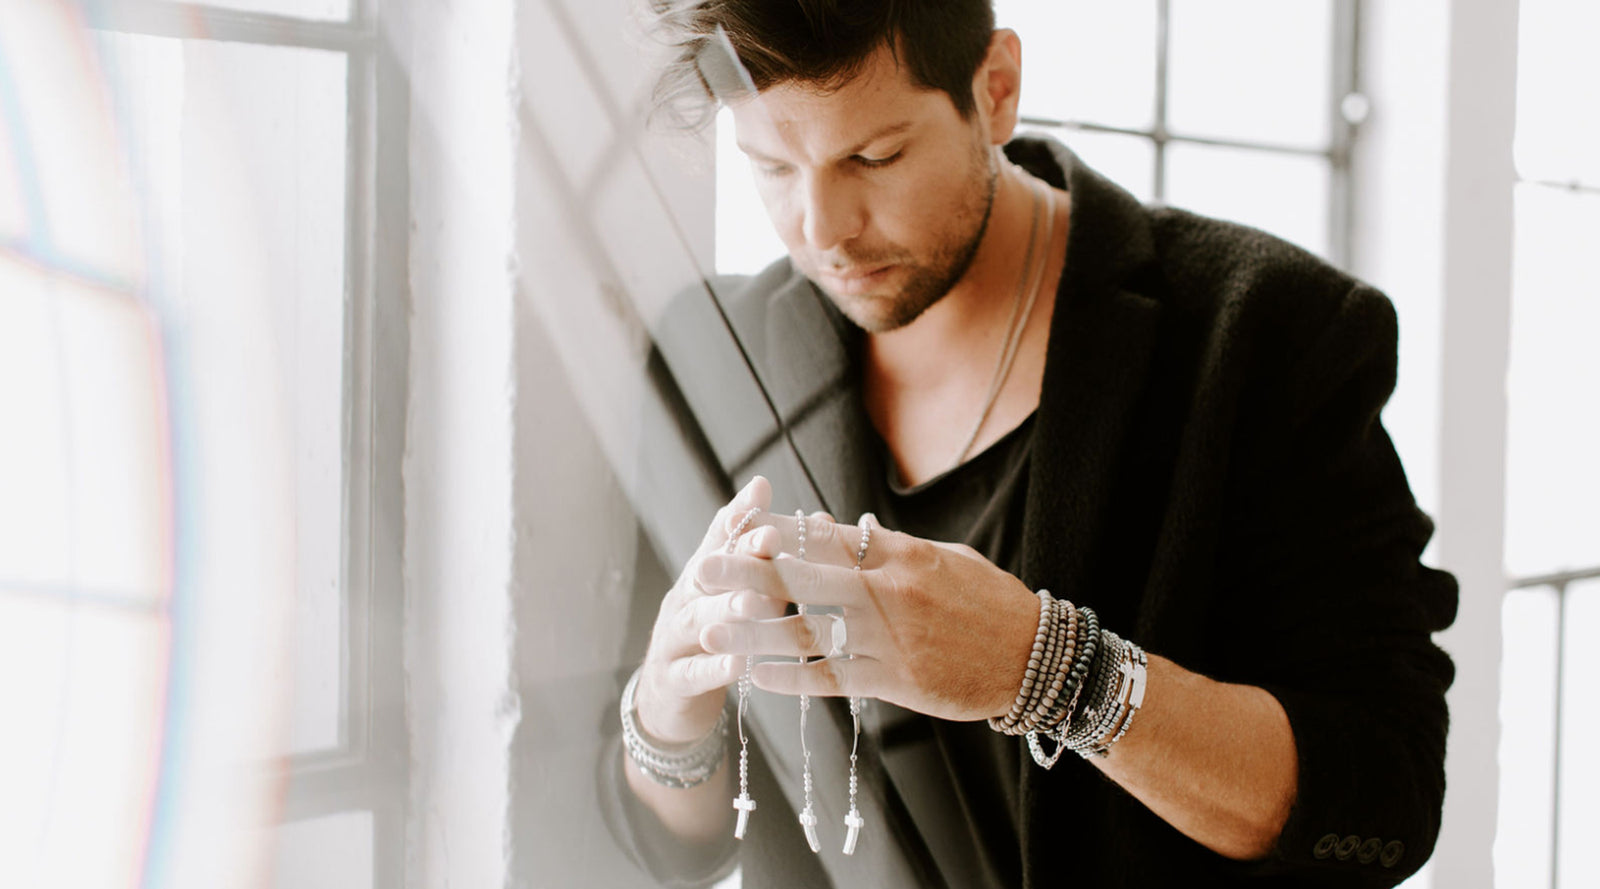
(1553, 432)
(1086, 61)
(1558, 91)
(1255, 70)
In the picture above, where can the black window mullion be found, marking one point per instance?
(1346, 108)
(1160, 134)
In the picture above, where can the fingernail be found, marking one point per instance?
(716, 636)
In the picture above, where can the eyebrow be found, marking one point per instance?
(893, 129)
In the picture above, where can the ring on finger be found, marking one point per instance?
(838, 636)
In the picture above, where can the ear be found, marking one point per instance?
(997, 86)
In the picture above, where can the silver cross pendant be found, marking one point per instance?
(853, 823)
(745, 805)
(808, 821)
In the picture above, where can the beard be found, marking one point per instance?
(927, 280)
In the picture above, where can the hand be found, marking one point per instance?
(934, 627)
(682, 686)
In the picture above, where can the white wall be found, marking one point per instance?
(458, 470)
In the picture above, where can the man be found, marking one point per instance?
(1168, 420)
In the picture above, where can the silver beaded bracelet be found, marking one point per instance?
(679, 766)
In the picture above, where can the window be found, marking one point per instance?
(244, 133)
(1549, 719)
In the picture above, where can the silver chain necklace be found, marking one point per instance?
(1021, 308)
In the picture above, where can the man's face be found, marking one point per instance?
(880, 190)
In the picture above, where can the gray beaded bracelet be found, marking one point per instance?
(1031, 671)
(678, 766)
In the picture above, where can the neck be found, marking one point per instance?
(927, 384)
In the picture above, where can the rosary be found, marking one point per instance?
(808, 818)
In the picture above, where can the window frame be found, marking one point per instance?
(1559, 583)
(1345, 112)
(368, 769)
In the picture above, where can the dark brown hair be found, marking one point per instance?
(821, 42)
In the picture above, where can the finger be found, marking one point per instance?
(793, 580)
(795, 636)
(827, 541)
(699, 674)
(764, 542)
(860, 677)
(684, 628)
(756, 494)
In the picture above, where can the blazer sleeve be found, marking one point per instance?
(1330, 608)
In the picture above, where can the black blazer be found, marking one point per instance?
(1209, 472)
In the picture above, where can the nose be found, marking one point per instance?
(834, 212)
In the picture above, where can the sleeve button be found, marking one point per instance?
(1324, 846)
(1392, 852)
(1347, 847)
(1368, 852)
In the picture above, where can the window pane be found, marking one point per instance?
(1553, 433)
(268, 122)
(1558, 91)
(1086, 61)
(1284, 194)
(1257, 70)
(331, 852)
(308, 9)
(79, 768)
(1580, 738)
(35, 480)
(1128, 161)
(1527, 737)
(84, 468)
(14, 225)
(746, 241)
(72, 177)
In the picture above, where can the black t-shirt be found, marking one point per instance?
(958, 780)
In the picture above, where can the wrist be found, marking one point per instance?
(676, 765)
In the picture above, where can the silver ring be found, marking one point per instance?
(839, 636)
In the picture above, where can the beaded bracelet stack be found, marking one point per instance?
(1081, 688)
(679, 766)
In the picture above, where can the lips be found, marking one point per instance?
(854, 281)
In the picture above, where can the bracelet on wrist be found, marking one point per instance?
(1081, 688)
(679, 766)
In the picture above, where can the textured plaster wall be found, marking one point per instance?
(461, 707)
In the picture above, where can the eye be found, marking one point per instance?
(770, 170)
(873, 163)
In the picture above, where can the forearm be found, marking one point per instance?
(1216, 761)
